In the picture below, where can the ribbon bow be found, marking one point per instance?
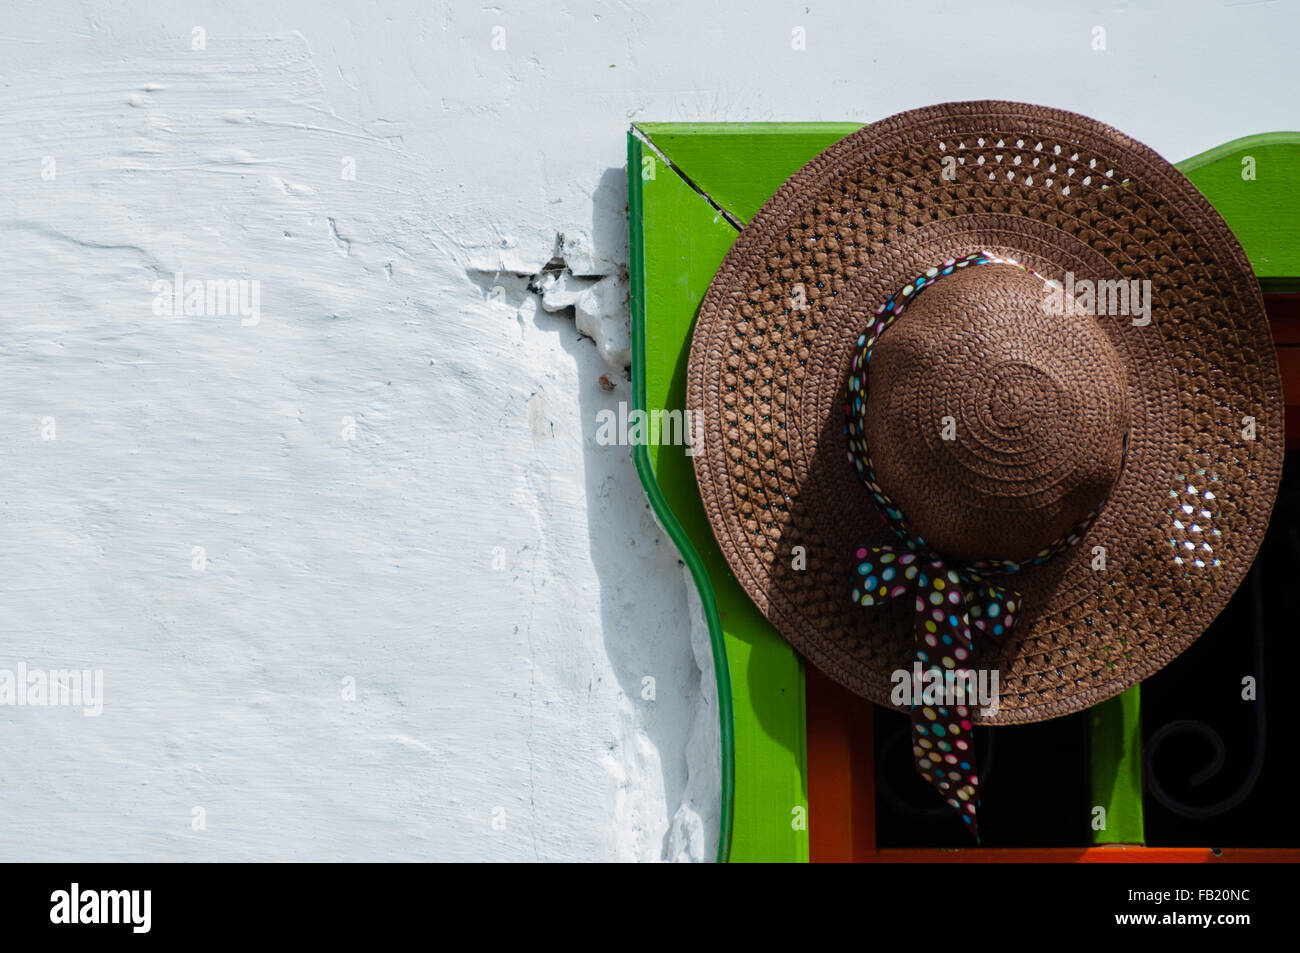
(950, 601)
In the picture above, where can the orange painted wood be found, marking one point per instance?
(1288, 359)
(841, 762)
(1112, 854)
(1288, 362)
(1284, 317)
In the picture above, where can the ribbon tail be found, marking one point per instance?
(942, 740)
(949, 605)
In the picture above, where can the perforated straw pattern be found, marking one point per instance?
(770, 362)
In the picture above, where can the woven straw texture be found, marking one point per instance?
(1040, 437)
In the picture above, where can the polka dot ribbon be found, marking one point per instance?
(953, 599)
(950, 602)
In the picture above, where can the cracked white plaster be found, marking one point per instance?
(597, 291)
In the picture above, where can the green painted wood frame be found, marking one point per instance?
(691, 187)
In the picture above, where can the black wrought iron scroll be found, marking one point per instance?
(1199, 729)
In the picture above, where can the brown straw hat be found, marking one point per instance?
(1100, 471)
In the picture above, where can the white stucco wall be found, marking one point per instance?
(360, 581)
